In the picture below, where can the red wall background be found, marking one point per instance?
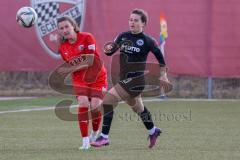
(204, 38)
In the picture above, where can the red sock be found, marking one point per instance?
(83, 120)
(96, 120)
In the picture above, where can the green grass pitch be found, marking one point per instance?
(192, 130)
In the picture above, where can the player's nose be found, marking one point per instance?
(65, 31)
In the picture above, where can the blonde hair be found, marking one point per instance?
(72, 22)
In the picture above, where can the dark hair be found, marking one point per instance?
(142, 13)
(72, 22)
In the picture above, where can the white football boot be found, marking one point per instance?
(93, 136)
(85, 144)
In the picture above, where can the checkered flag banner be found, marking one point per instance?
(46, 12)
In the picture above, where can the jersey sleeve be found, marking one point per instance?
(118, 39)
(90, 44)
(116, 44)
(154, 48)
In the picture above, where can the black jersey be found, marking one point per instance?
(133, 57)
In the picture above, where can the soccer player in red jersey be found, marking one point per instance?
(90, 80)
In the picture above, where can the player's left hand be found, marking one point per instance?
(164, 82)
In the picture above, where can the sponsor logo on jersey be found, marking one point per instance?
(140, 42)
(77, 60)
(130, 49)
(46, 27)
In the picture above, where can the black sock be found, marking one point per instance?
(146, 119)
(107, 118)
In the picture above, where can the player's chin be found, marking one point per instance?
(132, 29)
(67, 36)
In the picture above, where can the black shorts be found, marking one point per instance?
(134, 86)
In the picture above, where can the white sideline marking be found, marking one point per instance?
(145, 100)
(27, 110)
(15, 98)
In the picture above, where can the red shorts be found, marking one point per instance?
(95, 89)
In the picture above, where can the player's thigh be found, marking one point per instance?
(98, 89)
(115, 94)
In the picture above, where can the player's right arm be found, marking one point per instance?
(111, 47)
(74, 63)
(78, 63)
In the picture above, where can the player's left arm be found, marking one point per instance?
(154, 48)
(165, 83)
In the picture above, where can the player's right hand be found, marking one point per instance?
(109, 48)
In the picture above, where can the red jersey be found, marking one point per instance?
(85, 44)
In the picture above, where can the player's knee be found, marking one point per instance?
(131, 102)
(96, 105)
(83, 101)
(135, 109)
(138, 108)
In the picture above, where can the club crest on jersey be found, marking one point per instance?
(81, 47)
(46, 27)
(140, 42)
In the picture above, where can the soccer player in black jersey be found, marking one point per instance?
(135, 46)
